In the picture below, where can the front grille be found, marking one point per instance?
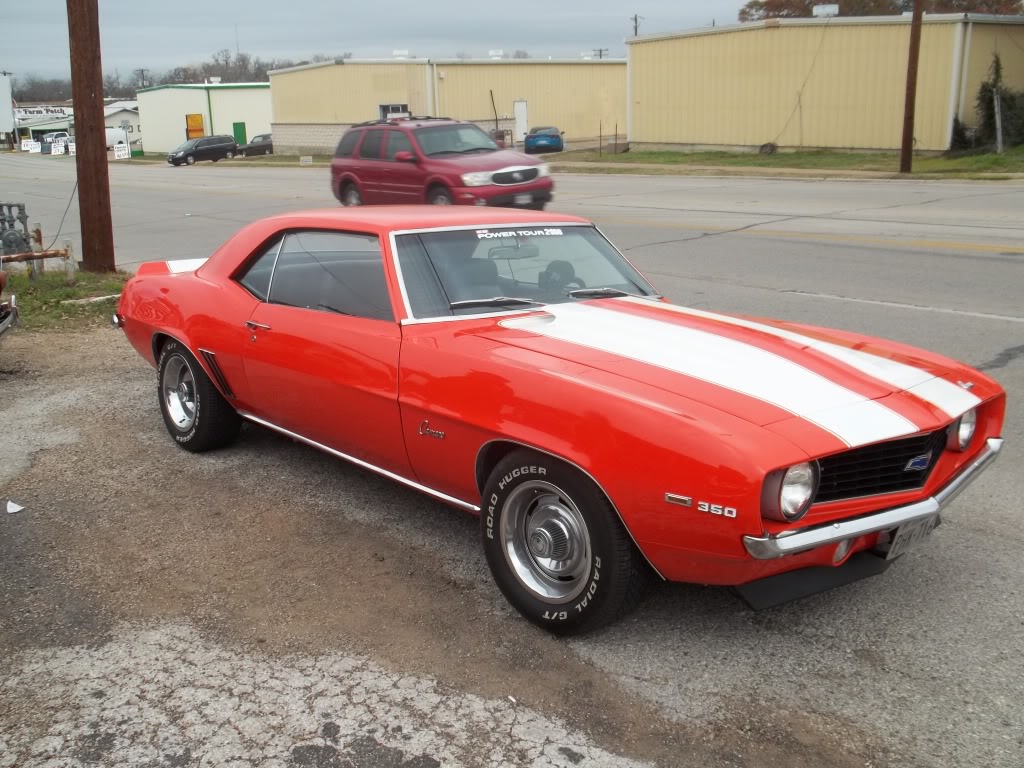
(880, 468)
(520, 176)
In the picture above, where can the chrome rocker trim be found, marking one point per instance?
(364, 464)
(771, 547)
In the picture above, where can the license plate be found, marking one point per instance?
(910, 535)
(522, 199)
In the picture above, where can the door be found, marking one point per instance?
(322, 360)
(370, 167)
(238, 131)
(519, 112)
(401, 180)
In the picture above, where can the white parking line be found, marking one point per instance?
(918, 307)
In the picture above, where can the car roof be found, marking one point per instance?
(389, 218)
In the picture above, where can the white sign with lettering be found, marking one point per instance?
(35, 146)
(25, 143)
(121, 152)
(71, 148)
(57, 148)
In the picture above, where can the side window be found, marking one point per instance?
(338, 272)
(347, 144)
(256, 279)
(370, 148)
(397, 142)
(202, 144)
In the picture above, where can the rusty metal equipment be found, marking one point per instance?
(13, 240)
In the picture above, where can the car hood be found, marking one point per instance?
(823, 390)
(487, 161)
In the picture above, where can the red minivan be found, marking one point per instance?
(437, 161)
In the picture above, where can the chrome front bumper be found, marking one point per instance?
(11, 319)
(789, 543)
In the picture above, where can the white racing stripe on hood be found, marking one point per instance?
(758, 373)
(938, 392)
(184, 265)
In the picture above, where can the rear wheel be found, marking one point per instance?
(196, 415)
(228, 155)
(556, 546)
(350, 195)
(439, 196)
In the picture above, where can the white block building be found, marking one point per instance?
(172, 114)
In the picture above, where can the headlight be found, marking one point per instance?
(788, 493)
(798, 487)
(178, 154)
(962, 433)
(476, 179)
(543, 170)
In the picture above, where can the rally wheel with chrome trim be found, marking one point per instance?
(556, 546)
(196, 415)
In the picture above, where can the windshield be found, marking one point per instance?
(543, 265)
(187, 145)
(545, 131)
(453, 140)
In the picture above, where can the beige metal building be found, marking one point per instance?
(814, 83)
(174, 113)
(314, 104)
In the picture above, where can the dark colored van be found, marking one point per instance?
(209, 148)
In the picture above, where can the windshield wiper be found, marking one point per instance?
(493, 301)
(476, 149)
(597, 293)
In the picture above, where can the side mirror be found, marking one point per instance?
(404, 156)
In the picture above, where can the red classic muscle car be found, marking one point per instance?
(515, 365)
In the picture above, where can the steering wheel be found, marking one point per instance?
(559, 274)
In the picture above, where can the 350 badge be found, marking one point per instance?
(702, 506)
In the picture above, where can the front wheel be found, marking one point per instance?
(556, 547)
(190, 160)
(196, 415)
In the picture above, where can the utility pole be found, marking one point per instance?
(907, 150)
(600, 52)
(90, 136)
(636, 19)
(140, 74)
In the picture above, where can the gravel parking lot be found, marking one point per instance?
(266, 605)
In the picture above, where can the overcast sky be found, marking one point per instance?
(158, 35)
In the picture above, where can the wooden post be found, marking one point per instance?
(90, 136)
(909, 107)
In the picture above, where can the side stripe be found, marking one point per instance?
(740, 367)
(944, 395)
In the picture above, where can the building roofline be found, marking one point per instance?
(929, 18)
(203, 86)
(447, 62)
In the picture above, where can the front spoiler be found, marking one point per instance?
(789, 543)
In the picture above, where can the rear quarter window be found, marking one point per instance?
(347, 144)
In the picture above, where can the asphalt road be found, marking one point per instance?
(920, 666)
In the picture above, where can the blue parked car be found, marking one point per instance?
(547, 139)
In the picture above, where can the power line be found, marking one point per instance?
(600, 52)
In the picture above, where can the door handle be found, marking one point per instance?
(252, 325)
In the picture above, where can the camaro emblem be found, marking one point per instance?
(919, 463)
(426, 430)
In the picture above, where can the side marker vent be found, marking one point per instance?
(222, 383)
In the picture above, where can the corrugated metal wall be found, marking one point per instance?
(985, 40)
(580, 98)
(809, 85)
(347, 93)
